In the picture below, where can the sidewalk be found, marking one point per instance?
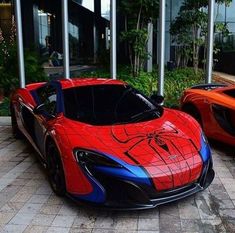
(28, 205)
(220, 77)
(5, 121)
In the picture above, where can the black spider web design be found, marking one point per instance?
(162, 138)
(160, 142)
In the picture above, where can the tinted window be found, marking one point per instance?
(47, 95)
(108, 104)
(230, 93)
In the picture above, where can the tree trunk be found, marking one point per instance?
(128, 45)
(195, 49)
(136, 55)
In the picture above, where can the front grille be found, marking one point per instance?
(121, 190)
(172, 192)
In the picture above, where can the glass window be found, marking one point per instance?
(231, 27)
(47, 96)
(44, 27)
(220, 12)
(168, 10)
(89, 4)
(73, 41)
(176, 7)
(108, 104)
(230, 16)
(230, 93)
(6, 19)
(74, 31)
(105, 9)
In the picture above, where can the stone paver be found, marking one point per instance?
(27, 203)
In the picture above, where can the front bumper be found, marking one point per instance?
(126, 194)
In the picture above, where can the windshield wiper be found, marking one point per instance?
(144, 113)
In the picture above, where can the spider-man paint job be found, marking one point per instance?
(160, 157)
(213, 106)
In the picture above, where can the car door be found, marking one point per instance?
(47, 97)
(224, 112)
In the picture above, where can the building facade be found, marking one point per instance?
(224, 14)
(42, 20)
(5, 17)
(89, 29)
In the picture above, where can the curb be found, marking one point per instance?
(5, 121)
(220, 79)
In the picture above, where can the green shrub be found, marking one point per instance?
(177, 81)
(4, 107)
(9, 71)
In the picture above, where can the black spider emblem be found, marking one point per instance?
(158, 138)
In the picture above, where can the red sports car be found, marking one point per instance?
(213, 106)
(103, 142)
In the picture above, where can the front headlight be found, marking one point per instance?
(205, 148)
(87, 157)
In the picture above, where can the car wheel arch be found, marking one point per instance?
(15, 128)
(48, 142)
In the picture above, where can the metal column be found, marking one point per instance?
(113, 26)
(20, 46)
(150, 48)
(210, 42)
(161, 46)
(65, 37)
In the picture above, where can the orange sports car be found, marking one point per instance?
(213, 106)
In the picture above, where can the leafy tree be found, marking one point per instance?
(189, 30)
(9, 71)
(137, 16)
(3, 49)
(9, 79)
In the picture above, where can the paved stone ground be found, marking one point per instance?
(220, 77)
(27, 203)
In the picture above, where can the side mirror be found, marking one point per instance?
(158, 99)
(39, 109)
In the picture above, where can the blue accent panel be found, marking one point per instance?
(60, 102)
(125, 174)
(35, 96)
(127, 171)
(98, 195)
(205, 150)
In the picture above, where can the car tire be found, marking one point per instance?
(17, 134)
(193, 111)
(55, 170)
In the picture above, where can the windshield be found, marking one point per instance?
(108, 104)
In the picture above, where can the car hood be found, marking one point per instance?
(166, 148)
(175, 134)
